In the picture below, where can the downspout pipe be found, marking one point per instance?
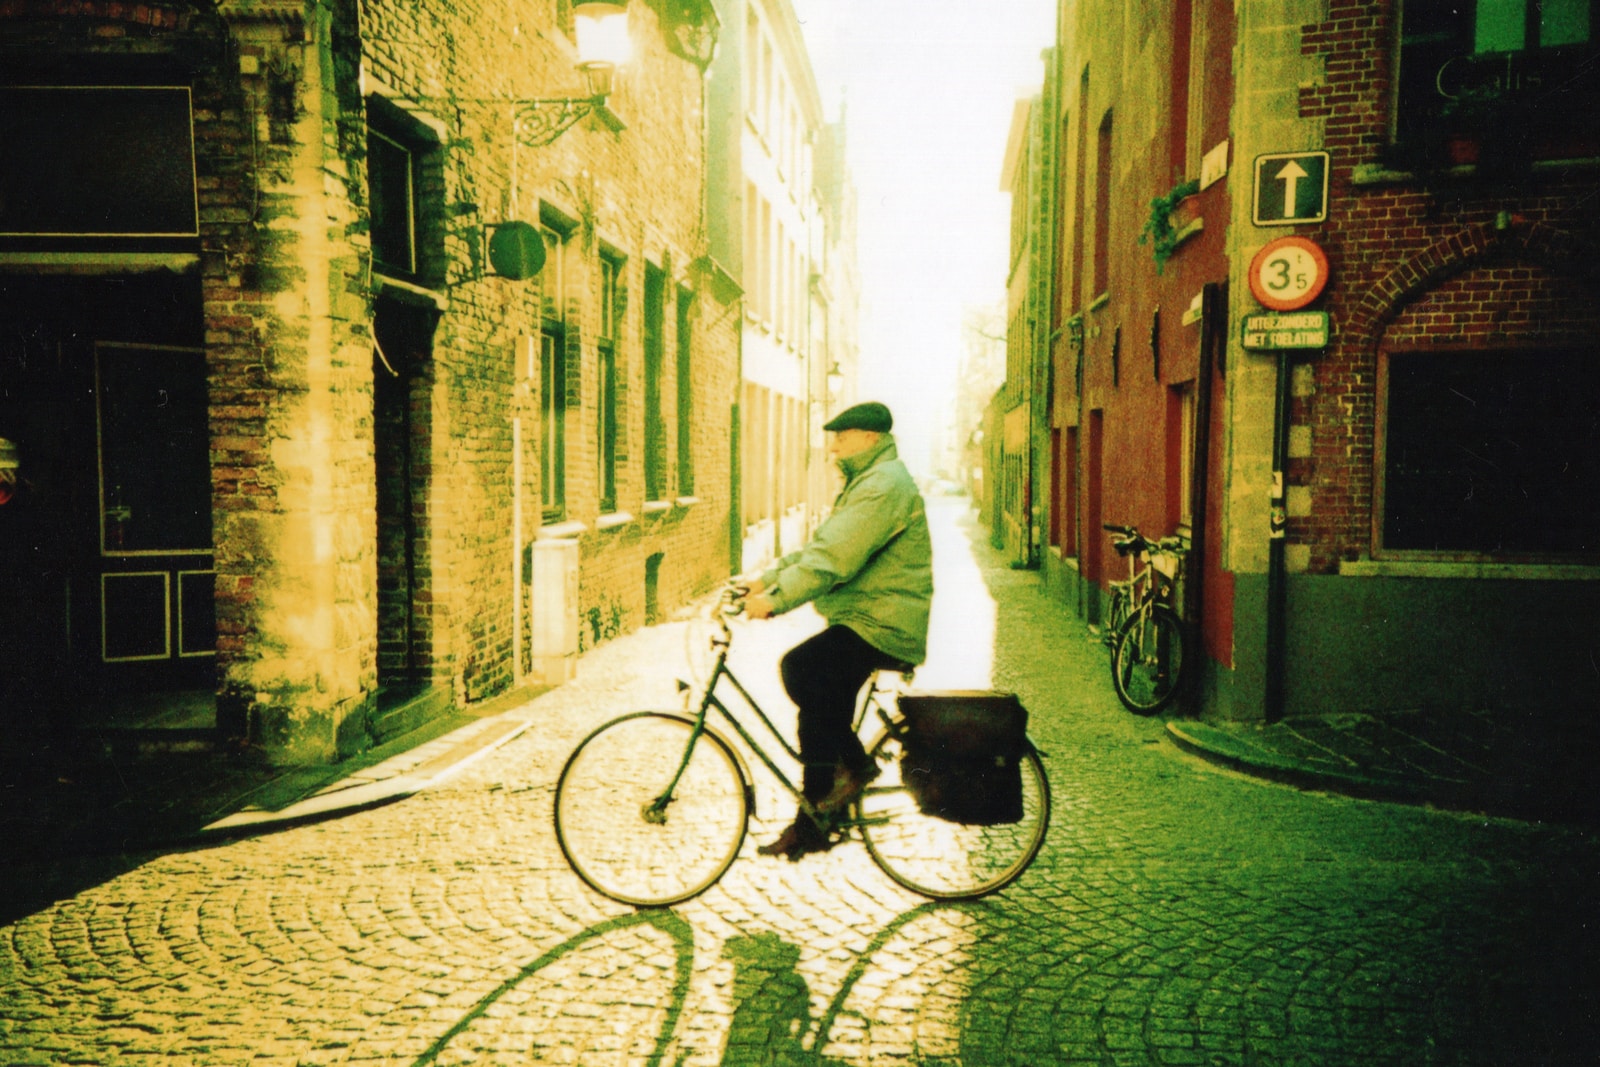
(1273, 702)
(1213, 334)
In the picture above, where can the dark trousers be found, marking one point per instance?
(823, 675)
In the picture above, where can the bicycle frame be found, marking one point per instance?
(1153, 568)
(709, 700)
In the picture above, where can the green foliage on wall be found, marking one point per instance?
(1158, 229)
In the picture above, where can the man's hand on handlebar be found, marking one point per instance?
(746, 596)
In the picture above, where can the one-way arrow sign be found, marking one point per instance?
(1291, 187)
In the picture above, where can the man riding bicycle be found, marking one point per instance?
(869, 570)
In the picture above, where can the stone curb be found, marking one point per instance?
(1229, 750)
(396, 778)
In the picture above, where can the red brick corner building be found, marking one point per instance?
(1434, 466)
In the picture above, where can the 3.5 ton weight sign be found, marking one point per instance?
(1288, 273)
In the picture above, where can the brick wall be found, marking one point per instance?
(314, 610)
(1415, 262)
(638, 193)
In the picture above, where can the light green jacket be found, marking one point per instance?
(869, 566)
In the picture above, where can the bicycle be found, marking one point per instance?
(1148, 640)
(652, 808)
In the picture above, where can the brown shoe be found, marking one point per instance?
(799, 838)
(848, 784)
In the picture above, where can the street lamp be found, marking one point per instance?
(601, 27)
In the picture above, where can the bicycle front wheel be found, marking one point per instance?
(1148, 660)
(946, 860)
(622, 838)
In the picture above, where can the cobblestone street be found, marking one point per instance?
(1178, 914)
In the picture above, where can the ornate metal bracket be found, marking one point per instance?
(540, 122)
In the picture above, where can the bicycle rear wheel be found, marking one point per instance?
(946, 860)
(1116, 619)
(1148, 660)
(604, 815)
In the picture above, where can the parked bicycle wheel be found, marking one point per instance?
(1148, 660)
(608, 824)
(1116, 619)
(947, 860)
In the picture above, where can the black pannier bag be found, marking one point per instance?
(963, 755)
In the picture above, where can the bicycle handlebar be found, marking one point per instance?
(1131, 540)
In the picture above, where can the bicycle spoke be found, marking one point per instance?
(943, 859)
(617, 834)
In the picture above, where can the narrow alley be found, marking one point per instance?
(1178, 914)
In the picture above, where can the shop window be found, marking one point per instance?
(1489, 453)
(1497, 70)
(97, 161)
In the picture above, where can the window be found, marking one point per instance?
(1102, 208)
(1064, 490)
(1489, 452)
(606, 387)
(779, 297)
(1080, 169)
(392, 173)
(553, 370)
(1516, 67)
(685, 373)
(755, 437)
(750, 268)
(1186, 89)
(752, 65)
(127, 168)
(655, 424)
(769, 88)
(403, 188)
(764, 254)
(1180, 75)
(1058, 249)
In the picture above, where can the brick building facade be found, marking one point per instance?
(786, 234)
(1435, 456)
(410, 472)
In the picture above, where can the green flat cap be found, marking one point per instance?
(869, 416)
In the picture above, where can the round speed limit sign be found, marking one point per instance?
(1288, 273)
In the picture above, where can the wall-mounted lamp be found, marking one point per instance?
(835, 379)
(601, 27)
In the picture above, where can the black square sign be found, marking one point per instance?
(1290, 187)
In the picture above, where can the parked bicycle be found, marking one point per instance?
(652, 807)
(1148, 640)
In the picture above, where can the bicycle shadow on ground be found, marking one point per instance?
(666, 922)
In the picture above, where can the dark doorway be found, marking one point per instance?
(106, 593)
(401, 427)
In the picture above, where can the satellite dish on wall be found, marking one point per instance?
(516, 250)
